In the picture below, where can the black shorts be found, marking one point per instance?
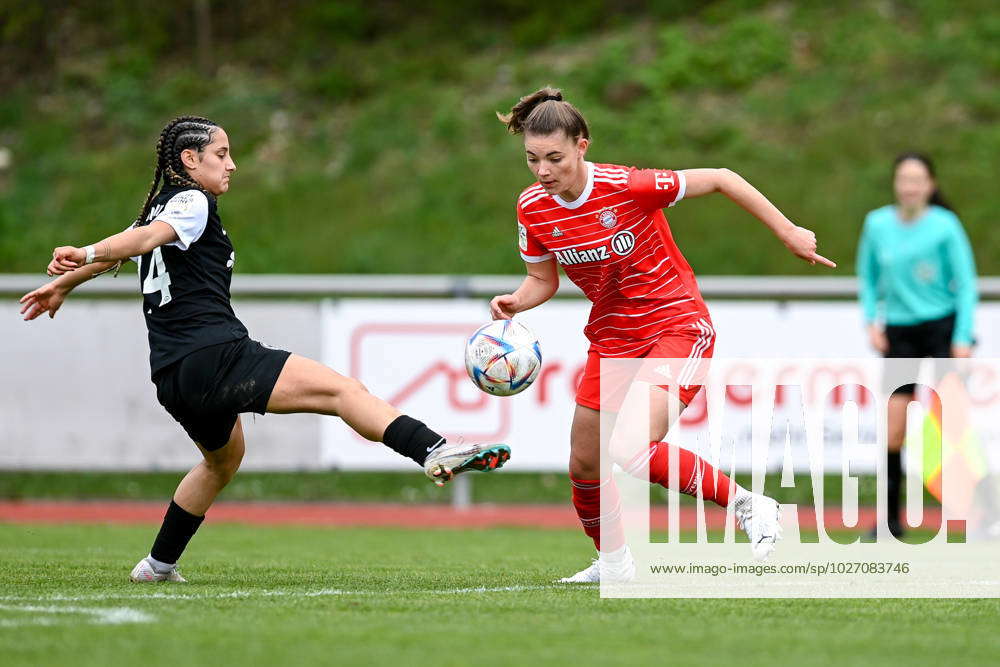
(208, 389)
(925, 339)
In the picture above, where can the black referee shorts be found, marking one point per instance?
(208, 389)
(924, 339)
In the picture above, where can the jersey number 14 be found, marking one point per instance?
(157, 279)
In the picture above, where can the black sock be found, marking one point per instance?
(894, 483)
(411, 438)
(179, 526)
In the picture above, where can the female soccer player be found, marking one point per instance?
(915, 261)
(603, 224)
(205, 367)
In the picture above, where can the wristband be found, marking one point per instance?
(90, 254)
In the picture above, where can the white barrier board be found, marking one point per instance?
(407, 351)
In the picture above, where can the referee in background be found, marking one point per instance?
(917, 289)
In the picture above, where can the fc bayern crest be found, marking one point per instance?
(607, 217)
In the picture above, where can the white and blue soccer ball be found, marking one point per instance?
(503, 357)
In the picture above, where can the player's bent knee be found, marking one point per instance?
(348, 388)
(333, 383)
(624, 451)
(225, 461)
(224, 472)
(582, 468)
(225, 464)
(356, 386)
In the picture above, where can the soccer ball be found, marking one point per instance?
(503, 358)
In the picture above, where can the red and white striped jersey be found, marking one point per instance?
(615, 244)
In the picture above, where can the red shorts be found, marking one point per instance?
(685, 348)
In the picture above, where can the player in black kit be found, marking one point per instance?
(206, 368)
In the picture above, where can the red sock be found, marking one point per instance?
(695, 475)
(587, 501)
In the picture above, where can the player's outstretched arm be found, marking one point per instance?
(799, 240)
(538, 287)
(130, 243)
(75, 266)
(49, 297)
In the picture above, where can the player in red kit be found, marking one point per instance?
(604, 225)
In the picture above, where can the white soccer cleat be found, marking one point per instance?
(143, 572)
(760, 517)
(619, 570)
(590, 575)
(448, 460)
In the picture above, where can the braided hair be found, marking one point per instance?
(179, 134)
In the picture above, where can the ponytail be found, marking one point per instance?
(937, 199)
(178, 135)
(544, 112)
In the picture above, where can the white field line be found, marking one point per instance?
(322, 592)
(50, 615)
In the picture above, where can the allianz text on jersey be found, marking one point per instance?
(621, 244)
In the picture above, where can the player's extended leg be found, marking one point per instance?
(682, 470)
(194, 495)
(305, 385)
(643, 453)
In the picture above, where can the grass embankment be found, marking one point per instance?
(366, 139)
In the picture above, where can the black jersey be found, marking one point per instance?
(185, 283)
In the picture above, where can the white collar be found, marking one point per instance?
(582, 199)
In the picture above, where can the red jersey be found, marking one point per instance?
(615, 244)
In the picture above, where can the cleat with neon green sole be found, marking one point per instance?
(448, 460)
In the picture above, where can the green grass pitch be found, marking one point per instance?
(269, 596)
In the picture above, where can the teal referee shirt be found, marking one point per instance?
(918, 270)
